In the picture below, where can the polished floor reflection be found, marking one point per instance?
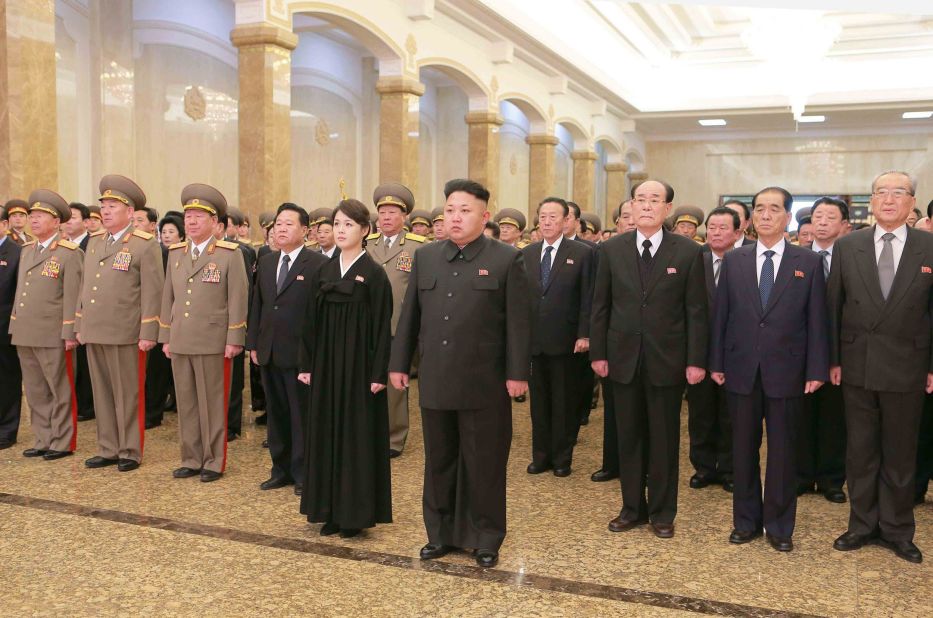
(100, 542)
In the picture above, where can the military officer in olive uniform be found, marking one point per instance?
(687, 221)
(94, 222)
(42, 325)
(394, 250)
(202, 327)
(511, 225)
(17, 211)
(118, 322)
(437, 222)
(419, 222)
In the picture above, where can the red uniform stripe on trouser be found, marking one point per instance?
(228, 365)
(70, 370)
(141, 401)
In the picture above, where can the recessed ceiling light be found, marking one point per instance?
(712, 122)
(812, 119)
(916, 115)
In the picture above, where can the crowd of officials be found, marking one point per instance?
(823, 337)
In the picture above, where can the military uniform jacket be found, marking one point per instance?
(47, 294)
(469, 313)
(397, 262)
(21, 238)
(122, 289)
(204, 303)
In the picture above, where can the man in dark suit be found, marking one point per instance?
(11, 377)
(230, 231)
(467, 309)
(588, 393)
(709, 425)
(75, 229)
(821, 441)
(158, 366)
(741, 209)
(881, 309)
(283, 282)
(559, 272)
(769, 347)
(650, 324)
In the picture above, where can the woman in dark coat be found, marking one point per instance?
(345, 356)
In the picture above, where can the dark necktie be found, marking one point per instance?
(886, 265)
(825, 254)
(388, 243)
(766, 284)
(717, 265)
(283, 273)
(546, 266)
(646, 252)
(195, 254)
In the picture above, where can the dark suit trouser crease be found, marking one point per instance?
(235, 408)
(257, 390)
(710, 430)
(158, 382)
(610, 433)
(881, 458)
(648, 427)
(821, 439)
(466, 457)
(586, 380)
(83, 391)
(554, 419)
(11, 393)
(776, 510)
(286, 399)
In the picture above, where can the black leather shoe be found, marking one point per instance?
(100, 462)
(86, 416)
(349, 533)
(805, 488)
(699, 481)
(298, 489)
(5, 444)
(208, 476)
(602, 475)
(903, 549)
(125, 465)
(34, 452)
(534, 468)
(562, 472)
(274, 483)
(329, 529)
(520, 399)
(153, 424)
(740, 537)
(487, 558)
(836, 496)
(850, 541)
(780, 544)
(184, 473)
(394, 453)
(619, 524)
(432, 551)
(728, 485)
(231, 436)
(52, 455)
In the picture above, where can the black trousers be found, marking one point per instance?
(466, 457)
(648, 424)
(554, 420)
(924, 472)
(83, 393)
(158, 383)
(257, 391)
(776, 510)
(710, 430)
(287, 399)
(610, 434)
(881, 458)
(585, 379)
(235, 407)
(11, 393)
(821, 439)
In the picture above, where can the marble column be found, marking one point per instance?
(542, 160)
(264, 115)
(483, 165)
(636, 178)
(615, 186)
(398, 130)
(28, 130)
(584, 179)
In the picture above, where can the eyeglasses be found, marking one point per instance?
(897, 194)
(642, 201)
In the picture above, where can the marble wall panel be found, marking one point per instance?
(513, 167)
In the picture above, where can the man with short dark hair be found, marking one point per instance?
(75, 229)
(741, 209)
(11, 377)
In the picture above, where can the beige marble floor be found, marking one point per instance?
(557, 559)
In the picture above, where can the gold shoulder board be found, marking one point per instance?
(374, 236)
(226, 244)
(98, 233)
(143, 235)
(415, 237)
(67, 244)
(177, 245)
(29, 242)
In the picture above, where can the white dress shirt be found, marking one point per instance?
(329, 253)
(200, 247)
(79, 239)
(716, 260)
(556, 245)
(740, 241)
(390, 240)
(817, 248)
(120, 234)
(760, 249)
(48, 241)
(897, 245)
(655, 241)
(343, 271)
(291, 259)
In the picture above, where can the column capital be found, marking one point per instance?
(584, 155)
(536, 139)
(638, 176)
(616, 167)
(263, 34)
(397, 84)
(484, 118)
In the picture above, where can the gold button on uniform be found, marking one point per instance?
(101, 264)
(190, 280)
(92, 301)
(94, 288)
(188, 302)
(97, 275)
(186, 314)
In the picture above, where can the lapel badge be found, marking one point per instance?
(360, 278)
(798, 274)
(569, 261)
(672, 271)
(300, 278)
(923, 269)
(3, 263)
(483, 272)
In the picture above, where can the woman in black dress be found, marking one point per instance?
(345, 356)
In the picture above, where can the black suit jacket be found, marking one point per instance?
(561, 310)
(9, 266)
(665, 327)
(275, 318)
(470, 317)
(882, 345)
(788, 341)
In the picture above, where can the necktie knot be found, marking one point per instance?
(887, 237)
(547, 250)
(646, 244)
(769, 254)
(824, 252)
(286, 259)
